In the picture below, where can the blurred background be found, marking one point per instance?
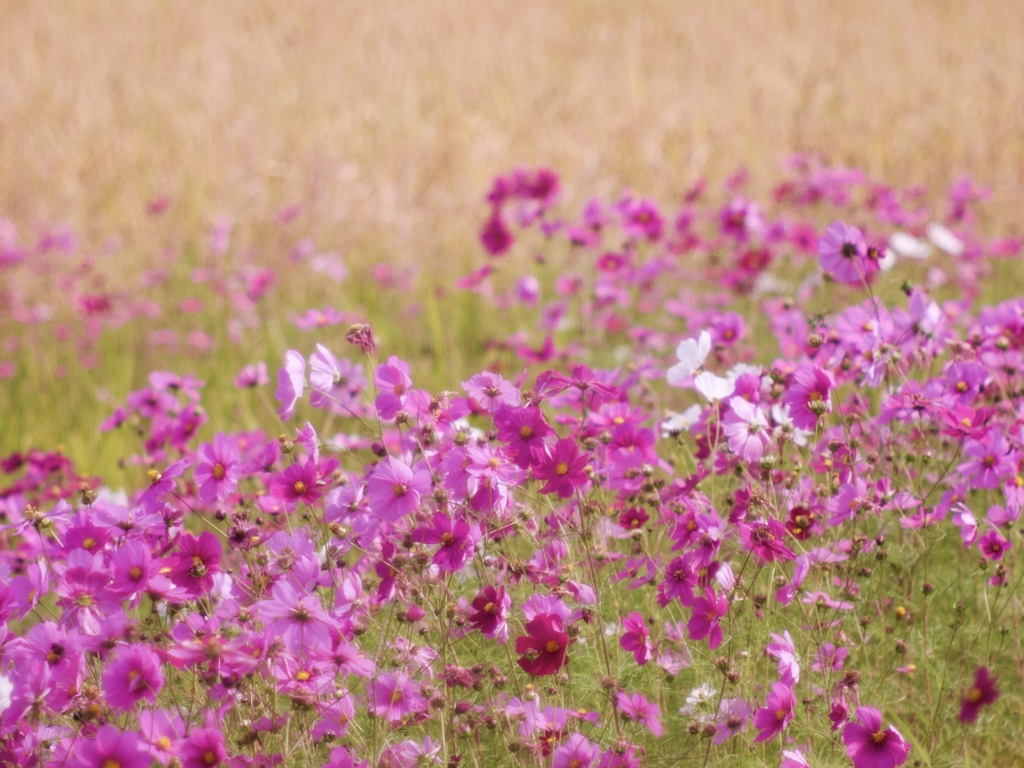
(165, 167)
(387, 121)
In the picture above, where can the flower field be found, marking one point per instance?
(558, 388)
(740, 481)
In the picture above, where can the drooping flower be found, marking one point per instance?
(783, 649)
(544, 646)
(868, 746)
(982, 693)
(776, 714)
(637, 638)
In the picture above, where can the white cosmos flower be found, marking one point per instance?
(714, 387)
(697, 697)
(680, 422)
(888, 260)
(945, 240)
(908, 246)
(691, 353)
(6, 689)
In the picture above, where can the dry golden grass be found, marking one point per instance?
(387, 120)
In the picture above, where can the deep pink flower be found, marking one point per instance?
(524, 430)
(204, 748)
(161, 483)
(132, 676)
(490, 613)
(637, 638)
(993, 546)
(776, 714)
(456, 537)
(765, 539)
(298, 482)
(808, 396)
(111, 747)
(395, 490)
(562, 468)
(217, 469)
(495, 235)
(868, 746)
(544, 646)
(681, 578)
(196, 562)
(708, 611)
(983, 692)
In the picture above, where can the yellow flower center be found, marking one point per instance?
(490, 608)
(84, 601)
(879, 737)
(218, 471)
(89, 543)
(300, 487)
(302, 675)
(552, 646)
(399, 489)
(561, 468)
(526, 432)
(153, 476)
(164, 743)
(780, 715)
(135, 573)
(974, 695)
(111, 763)
(447, 539)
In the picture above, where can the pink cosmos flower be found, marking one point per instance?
(637, 638)
(291, 380)
(843, 253)
(252, 376)
(989, 461)
(132, 676)
(298, 483)
(524, 430)
(110, 747)
(783, 649)
(296, 617)
(776, 714)
(808, 396)
(868, 746)
(456, 537)
(993, 546)
(82, 589)
(544, 646)
(636, 707)
(746, 426)
(964, 519)
(395, 490)
(218, 469)
(204, 748)
(395, 697)
(982, 693)
(495, 235)
(576, 752)
(563, 469)
(393, 384)
(196, 562)
(765, 539)
(492, 391)
(490, 613)
(708, 611)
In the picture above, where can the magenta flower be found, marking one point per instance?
(982, 693)
(196, 563)
(708, 611)
(490, 613)
(83, 591)
(204, 748)
(291, 380)
(161, 483)
(636, 707)
(843, 253)
(765, 539)
(681, 579)
(395, 490)
(217, 469)
(393, 384)
(456, 537)
(524, 430)
(298, 482)
(134, 675)
(495, 235)
(868, 746)
(394, 697)
(544, 646)
(993, 546)
(563, 469)
(989, 461)
(637, 638)
(809, 396)
(111, 747)
(776, 714)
